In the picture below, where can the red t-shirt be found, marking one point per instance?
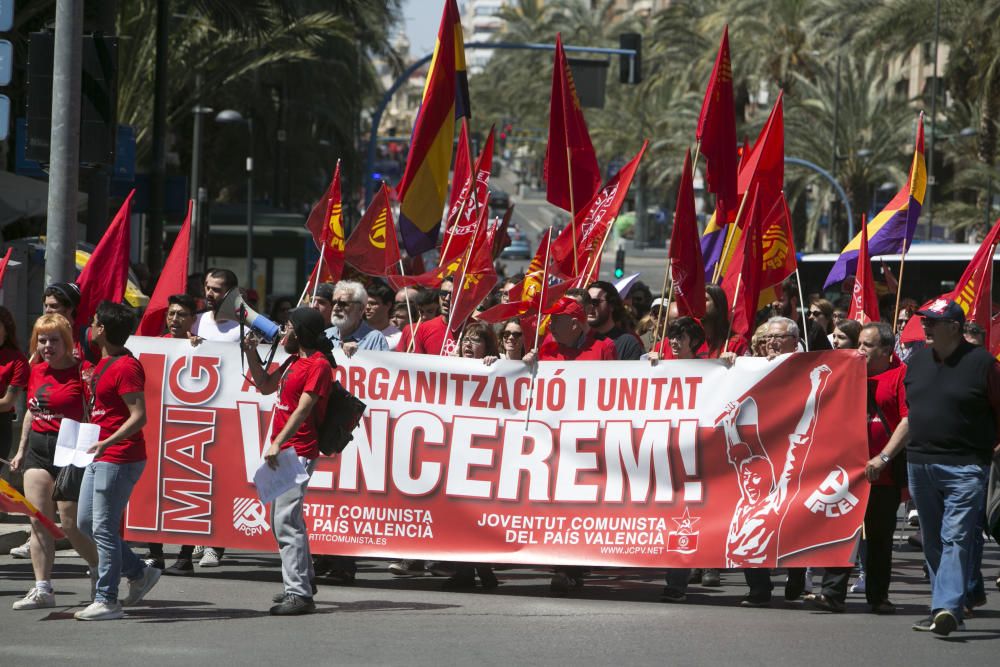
(13, 371)
(591, 350)
(889, 394)
(314, 375)
(115, 377)
(428, 339)
(54, 393)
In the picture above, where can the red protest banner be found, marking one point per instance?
(616, 464)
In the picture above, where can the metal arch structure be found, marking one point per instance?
(420, 62)
(832, 180)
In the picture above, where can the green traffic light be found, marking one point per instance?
(619, 273)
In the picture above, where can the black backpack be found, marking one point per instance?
(343, 414)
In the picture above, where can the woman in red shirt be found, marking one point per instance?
(13, 378)
(55, 390)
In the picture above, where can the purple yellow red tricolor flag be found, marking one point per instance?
(891, 231)
(424, 186)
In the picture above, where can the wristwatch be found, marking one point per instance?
(885, 459)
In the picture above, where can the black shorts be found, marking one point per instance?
(41, 452)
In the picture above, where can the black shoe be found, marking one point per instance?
(924, 624)
(672, 595)
(340, 576)
(487, 579)
(322, 565)
(559, 585)
(945, 623)
(884, 607)
(827, 603)
(293, 605)
(711, 578)
(756, 601)
(182, 568)
(696, 576)
(464, 578)
(278, 597)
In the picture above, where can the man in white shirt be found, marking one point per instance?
(218, 282)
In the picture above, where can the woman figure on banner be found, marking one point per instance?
(55, 391)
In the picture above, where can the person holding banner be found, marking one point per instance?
(55, 390)
(606, 319)
(378, 310)
(426, 335)
(570, 337)
(118, 406)
(303, 385)
(512, 340)
(349, 330)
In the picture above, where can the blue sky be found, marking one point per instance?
(422, 19)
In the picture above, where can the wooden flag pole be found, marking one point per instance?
(538, 326)
(659, 315)
(899, 289)
(805, 318)
(697, 154)
(729, 237)
(666, 312)
(729, 330)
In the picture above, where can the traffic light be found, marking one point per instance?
(620, 262)
(630, 71)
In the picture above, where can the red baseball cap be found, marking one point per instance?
(568, 306)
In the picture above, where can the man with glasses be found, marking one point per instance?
(782, 337)
(444, 295)
(950, 435)
(348, 329)
(606, 319)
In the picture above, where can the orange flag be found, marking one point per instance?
(571, 172)
(864, 302)
(373, 246)
(173, 280)
(106, 274)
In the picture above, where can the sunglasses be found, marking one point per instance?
(815, 313)
(343, 304)
(510, 334)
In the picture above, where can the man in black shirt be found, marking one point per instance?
(606, 316)
(950, 434)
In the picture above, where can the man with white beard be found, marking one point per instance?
(349, 330)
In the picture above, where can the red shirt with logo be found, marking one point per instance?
(54, 393)
(591, 349)
(314, 375)
(13, 371)
(113, 378)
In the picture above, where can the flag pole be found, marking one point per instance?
(729, 330)
(666, 313)
(538, 327)
(572, 204)
(659, 315)
(899, 288)
(805, 320)
(729, 237)
(444, 251)
(697, 154)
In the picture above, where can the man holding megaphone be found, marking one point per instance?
(210, 325)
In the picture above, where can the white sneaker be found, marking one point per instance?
(23, 551)
(198, 552)
(138, 588)
(210, 558)
(100, 611)
(859, 585)
(36, 599)
(913, 518)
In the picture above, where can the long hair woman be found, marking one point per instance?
(55, 391)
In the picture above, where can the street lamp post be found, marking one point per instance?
(231, 116)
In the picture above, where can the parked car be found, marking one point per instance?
(499, 198)
(519, 248)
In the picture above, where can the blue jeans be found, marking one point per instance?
(950, 500)
(104, 493)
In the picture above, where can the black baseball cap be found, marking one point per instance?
(943, 310)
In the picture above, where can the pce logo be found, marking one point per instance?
(833, 497)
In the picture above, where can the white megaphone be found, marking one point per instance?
(233, 307)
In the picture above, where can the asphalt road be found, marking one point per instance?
(218, 617)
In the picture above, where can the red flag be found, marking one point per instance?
(474, 280)
(461, 174)
(742, 283)
(864, 302)
(687, 270)
(326, 224)
(106, 273)
(505, 311)
(765, 165)
(777, 245)
(499, 238)
(594, 221)
(3, 264)
(535, 272)
(973, 292)
(172, 280)
(716, 133)
(373, 246)
(571, 172)
(462, 219)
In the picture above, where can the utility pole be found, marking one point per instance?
(158, 173)
(64, 160)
